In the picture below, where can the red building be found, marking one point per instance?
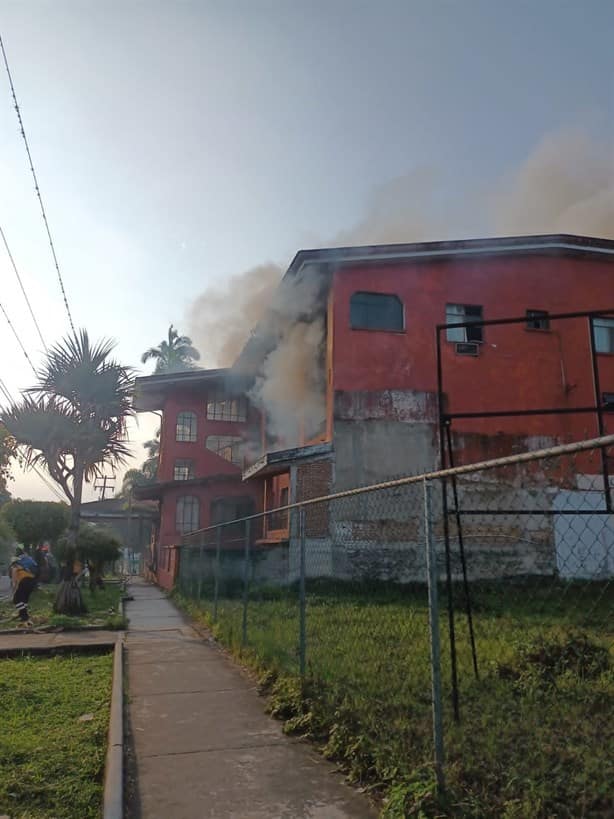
(338, 385)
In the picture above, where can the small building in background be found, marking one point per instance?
(338, 387)
(133, 523)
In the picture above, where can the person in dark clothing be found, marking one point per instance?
(23, 575)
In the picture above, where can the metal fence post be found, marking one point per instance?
(194, 579)
(302, 601)
(245, 582)
(216, 582)
(431, 575)
(200, 572)
(179, 575)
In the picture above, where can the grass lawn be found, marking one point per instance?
(102, 609)
(536, 737)
(52, 762)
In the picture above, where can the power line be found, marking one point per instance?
(36, 186)
(4, 389)
(19, 341)
(23, 289)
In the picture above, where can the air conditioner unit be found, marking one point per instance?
(608, 401)
(468, 348)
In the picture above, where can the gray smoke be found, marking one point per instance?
(566, 184)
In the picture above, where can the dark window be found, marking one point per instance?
(538, 320)
(376, 311)
(186, 426)
(226, 446)
(184, 470)
(231, 509)
(604, 335)
(459, 313)
(223, 407)
(187, 519)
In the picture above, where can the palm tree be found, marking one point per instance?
(172, 355)
(150, 465)
(132, 479)
(73, 423)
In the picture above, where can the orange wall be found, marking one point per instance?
(516, 368)
(206, 463)
(206, 495)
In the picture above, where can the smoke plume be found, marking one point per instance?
(566, 184)
(291, 386)
(221, 319)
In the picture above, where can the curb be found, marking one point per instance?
(113, 796)
(58, 648)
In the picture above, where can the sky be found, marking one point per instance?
(178, 144)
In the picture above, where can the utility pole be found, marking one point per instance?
(104, 483)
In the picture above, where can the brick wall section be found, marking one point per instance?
(312, 481)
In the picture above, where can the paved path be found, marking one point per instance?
(204, 747)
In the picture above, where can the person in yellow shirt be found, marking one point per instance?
(23, 577)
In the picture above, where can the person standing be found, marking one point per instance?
(23, 574)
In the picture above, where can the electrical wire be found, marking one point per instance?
(36, 186)
(23, 289)
(19, 341)
(4, 389)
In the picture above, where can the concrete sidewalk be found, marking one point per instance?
(202, 744)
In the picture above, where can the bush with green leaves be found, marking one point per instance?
(7, 538)
(95, 546)
(34, 522)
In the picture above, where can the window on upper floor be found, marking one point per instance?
(223, 407)
(459, 313)
(183, 470)
(186, 426)
(188, 514)
(376, 311)
(538, 320)
(229, 447)
(604, 335)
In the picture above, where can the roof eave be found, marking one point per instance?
(282, 459)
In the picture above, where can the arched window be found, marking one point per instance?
(188, 517)
(376, 311)
(186, 426)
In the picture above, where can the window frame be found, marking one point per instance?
(236, 440)
(377, 329)
(193, 427)
(219, 397)
(186, 463)
(218, 505)
(604, 323)
(538, 317)
(453, 334)
(180, 527)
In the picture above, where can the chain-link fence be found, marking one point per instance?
(507, 698)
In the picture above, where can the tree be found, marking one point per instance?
(73, 423)
(36, 521)
(148, 472)
(132, 479)
(174, 354)
(150, 464)
(7, 539)
(8, 450)
(95, 546)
